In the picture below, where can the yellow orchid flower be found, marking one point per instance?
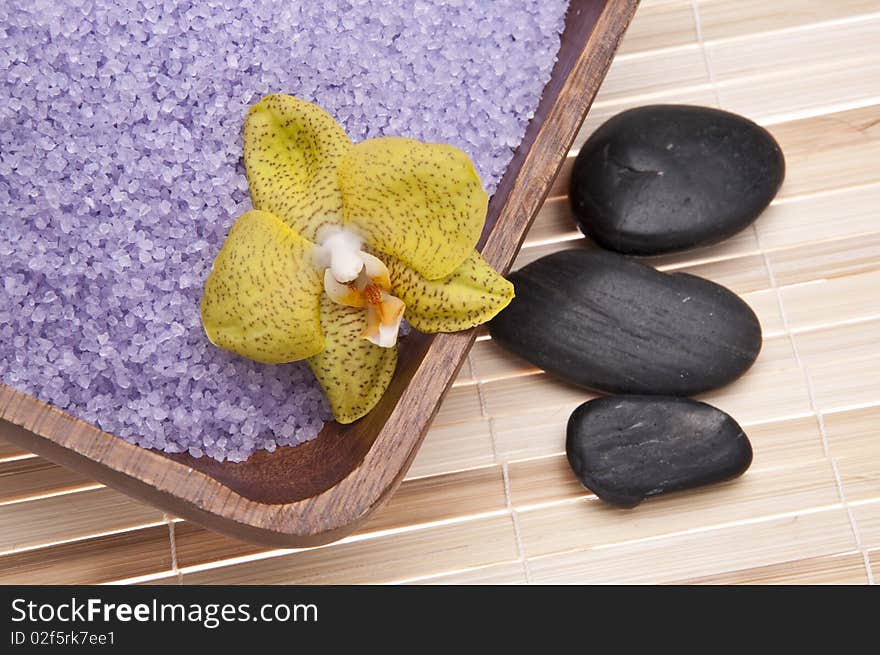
(344, 241)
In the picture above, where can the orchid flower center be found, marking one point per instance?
(356, 278)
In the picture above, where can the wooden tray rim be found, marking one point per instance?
(150, 476)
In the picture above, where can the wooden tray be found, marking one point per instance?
(322, 490)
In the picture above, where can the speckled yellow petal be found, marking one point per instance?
(261, 298)
(472, 295)
(292, 150)
(353, 372)
(422, 203)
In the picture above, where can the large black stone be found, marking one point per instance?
(601, 321)
(665, 178)
(626, 448)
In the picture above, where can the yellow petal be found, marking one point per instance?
(472, 295)
(292, 150)
(261, 299)
(422, 203)
(353, 372)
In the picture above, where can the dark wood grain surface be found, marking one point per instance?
(320, 491)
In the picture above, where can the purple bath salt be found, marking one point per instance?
(121, 174)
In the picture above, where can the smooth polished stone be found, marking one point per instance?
(666, 178)
(602, 321)
(627, 448)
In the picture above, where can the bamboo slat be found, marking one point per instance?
(590, 523)
(722, 19)
(448, 448)
(832, 300)
(808, 511)
(812, 45)
(836, 259)
(859, 474)
(836, 386)
(830, 151)
(602, 110)
(462, 402)
(867, 517)
(385, 559)
(643, 76)
(699, 553)
(23, 478)
(852, 432)
(91, 561)
(843, 569)
(475, 491)
(774, 97)
(506, 573)
(68, 517)
(804, 220)
(783, 391)
(658, 26)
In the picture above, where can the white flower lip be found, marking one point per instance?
(386, 337)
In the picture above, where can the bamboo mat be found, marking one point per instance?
(489, 498)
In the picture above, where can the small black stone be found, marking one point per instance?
(626, 448)
(665, 178)
(605, 322)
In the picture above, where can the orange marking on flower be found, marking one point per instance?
(373, 294)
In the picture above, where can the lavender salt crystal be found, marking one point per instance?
(121, 173)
